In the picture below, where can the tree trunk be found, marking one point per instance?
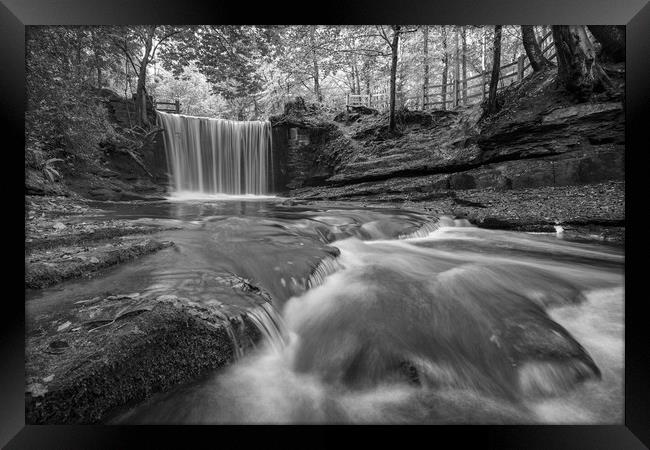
(256, 108)
(612, 41)
(445, 69)
(366, 77)
(578, 70)
(140, 93)
(141, 97)
(393, 75)
(312, 43)
(492, 106)
(357, 79)
(532, 48)
(349, 78)
(483, 50)
(401, 78)
(457, 69)
(425, 61)
(483, 64)
(464, 62)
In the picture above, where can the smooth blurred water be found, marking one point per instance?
(392, 317)
(217, 156)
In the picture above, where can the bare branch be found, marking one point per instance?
(125, 50)
(167, 36)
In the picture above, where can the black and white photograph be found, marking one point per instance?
(325, 224)
(321, 224)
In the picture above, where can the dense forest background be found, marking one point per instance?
(250, 72)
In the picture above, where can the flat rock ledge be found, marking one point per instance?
(48, 267)
(88, 361)
(62, 242)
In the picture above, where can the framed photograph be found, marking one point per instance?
(339, 217)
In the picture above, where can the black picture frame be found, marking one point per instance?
(16, 14)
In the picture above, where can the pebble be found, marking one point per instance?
(36, 389)
(64, 326)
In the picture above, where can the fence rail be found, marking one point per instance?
(465, 91)
(173, 107)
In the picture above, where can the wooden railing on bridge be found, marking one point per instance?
(172, 107)
(466, 91)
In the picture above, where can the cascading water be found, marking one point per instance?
(217, 156)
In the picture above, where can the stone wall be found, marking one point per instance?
(298, 152)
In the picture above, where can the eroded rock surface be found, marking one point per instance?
(102, 353)
(61, 244)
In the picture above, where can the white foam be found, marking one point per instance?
(184, 196)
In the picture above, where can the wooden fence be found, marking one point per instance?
(466, 91)
(172, 107)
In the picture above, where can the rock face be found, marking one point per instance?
(84, 360)
(117, 177)
(540, 138)
(297, 154)
(47, 267)
(306, 147)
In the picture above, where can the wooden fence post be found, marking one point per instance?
(347, 101)
(453, 94)
(483, 81)
(464, 91)
(177, 104)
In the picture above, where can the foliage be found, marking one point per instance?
(64, 117)
(191, 88)
(236, 72)
(49, 169)
(228, 56)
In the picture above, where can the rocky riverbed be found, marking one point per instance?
(85, 358)
(61, 242)
(95, 346)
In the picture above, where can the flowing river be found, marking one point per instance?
(384, 316)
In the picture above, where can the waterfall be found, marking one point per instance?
(270, 324)
(217, 156)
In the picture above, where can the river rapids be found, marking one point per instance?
(391, 316)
